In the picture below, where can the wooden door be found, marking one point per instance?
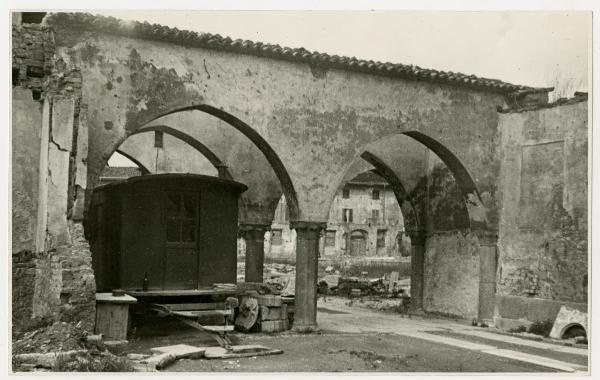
(358, 243)
(181, 240)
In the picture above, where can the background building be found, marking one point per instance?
(364, 221)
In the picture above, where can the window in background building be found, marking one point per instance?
(276, 237)
(330, 238)
(375, 194)
(346, 193)
(381, 238)
(375, 215)
(347, 215)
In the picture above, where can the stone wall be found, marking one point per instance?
(51, 260)
(543, 225)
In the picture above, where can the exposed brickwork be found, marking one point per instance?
(32, 52)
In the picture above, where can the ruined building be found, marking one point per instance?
(491, 179)
(364, 221)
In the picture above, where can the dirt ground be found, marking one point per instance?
(364, 352)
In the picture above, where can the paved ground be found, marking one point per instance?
(353, 338)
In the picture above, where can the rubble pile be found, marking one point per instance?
(60, 336)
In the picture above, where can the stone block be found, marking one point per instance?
(268, 300)
(568, 317)
(274, 326)
(273, 313)
(180, 351)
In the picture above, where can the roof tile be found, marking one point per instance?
(111, 25)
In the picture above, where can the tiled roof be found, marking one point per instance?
(368, 178)
(120, 172)
(134, 29)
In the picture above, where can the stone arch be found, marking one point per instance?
(269, 153)
(470, 193)
(411, 218)
(194, 143)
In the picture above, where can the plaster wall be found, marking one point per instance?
(175, 156)
(451, 274)
(27, 114)
(542, 247)
(317, 122)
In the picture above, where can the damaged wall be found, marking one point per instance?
(543, 226)
(293, 106)
(52, 275)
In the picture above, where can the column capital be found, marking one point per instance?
(308, 226)
(487, 238)
(253, 231)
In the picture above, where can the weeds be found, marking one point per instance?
(89, 363)
(518, 329)
(542, 328)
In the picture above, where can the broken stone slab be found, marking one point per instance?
(180, 351)
(134, 356)
(566, 318)
(241, 351)
(46, 360)
(160, 361)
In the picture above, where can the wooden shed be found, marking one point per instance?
(164, 232)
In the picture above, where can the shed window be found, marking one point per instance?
(346, 193)
(330, 238)
(375, 194)
(181, 212)
(276, 238)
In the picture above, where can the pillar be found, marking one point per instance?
(417, 268)
(307, 257)
(254, 236)
(488, 241)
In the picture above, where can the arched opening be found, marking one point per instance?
(443, 214)
(269, 153)
(573, 330)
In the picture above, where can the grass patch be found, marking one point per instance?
(89, 363)
(542, 328)
(518, 329)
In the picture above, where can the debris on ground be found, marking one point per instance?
(60, 336)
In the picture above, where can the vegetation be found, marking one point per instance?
(90, 363)
(542, 328)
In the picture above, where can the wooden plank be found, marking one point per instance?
(176, 293)
(201, 313)
(194, 306)
(218, 328)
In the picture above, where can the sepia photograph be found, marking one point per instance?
(350, 191)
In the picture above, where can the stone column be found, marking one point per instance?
(417, 268)
(307, 253)
(254, 236)
(488, 241)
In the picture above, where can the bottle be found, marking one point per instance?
(145, 283)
